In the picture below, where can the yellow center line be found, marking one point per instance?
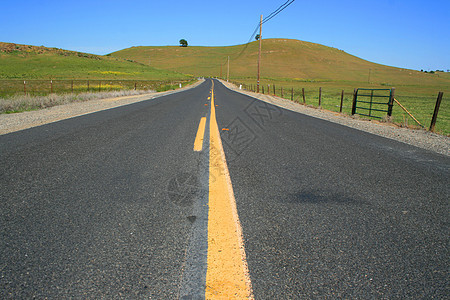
(227, 274)
(198, 143)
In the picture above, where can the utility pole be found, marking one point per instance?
(259, 55)
(228, 69)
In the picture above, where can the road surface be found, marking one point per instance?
(118, 204)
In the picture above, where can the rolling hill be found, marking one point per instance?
(281, 58)
(39, 62)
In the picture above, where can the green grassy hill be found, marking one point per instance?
(281, 58)
(32, 62)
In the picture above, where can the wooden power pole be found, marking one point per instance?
(228, 69)
(259, 55)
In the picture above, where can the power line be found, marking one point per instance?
(266, 19)
(270, 16)
(275, 11)
(278, 10)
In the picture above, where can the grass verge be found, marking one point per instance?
(9, 88)
(27, 103)
(39, 100)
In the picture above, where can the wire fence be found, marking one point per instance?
(12, 87)
(421, 111)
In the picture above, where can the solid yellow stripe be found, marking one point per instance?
(227, 272)
(198, 143)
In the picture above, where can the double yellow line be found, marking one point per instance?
(227, 275)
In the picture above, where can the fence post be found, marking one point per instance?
(292, 94)
(263, 90)
(355, 93)
(25, 87)
(282, 95)
(274, 90)
(320, 97)
(303, 95)
(342, 101)
(268, 89)
(436, 110)
(391, 102)
(135, 86)
(88, 85)
(72, 86)
(51, 86)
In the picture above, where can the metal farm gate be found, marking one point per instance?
(373, 102)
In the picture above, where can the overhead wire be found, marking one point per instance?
(265, 20)
(279, 10)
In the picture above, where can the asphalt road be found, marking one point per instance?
(105, 205)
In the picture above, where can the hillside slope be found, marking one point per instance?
(281, 58)
(33, 62)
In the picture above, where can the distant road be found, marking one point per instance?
(117, 204)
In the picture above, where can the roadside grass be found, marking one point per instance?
(27, 103)
(9, 88)
(33, 101)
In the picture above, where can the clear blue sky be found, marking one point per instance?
(402, 33)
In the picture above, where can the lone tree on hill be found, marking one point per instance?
(183, 43)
